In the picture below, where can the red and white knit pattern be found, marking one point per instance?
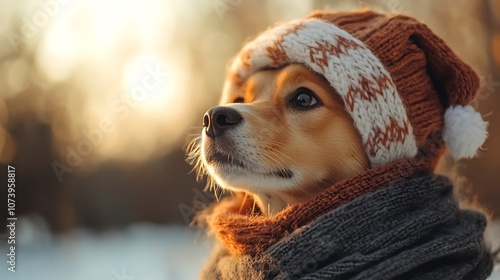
(357, 75)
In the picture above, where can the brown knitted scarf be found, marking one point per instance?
(253, 234)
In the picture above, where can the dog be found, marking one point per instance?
(282, 138)
(329, 124)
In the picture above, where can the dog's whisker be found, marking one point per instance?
(276, 161)
(280, 153)
(217, 197)
(193, 157)
(277, 158)
(243, 202)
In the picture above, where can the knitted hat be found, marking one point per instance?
(405, 89)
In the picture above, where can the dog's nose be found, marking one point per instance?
(220, 118)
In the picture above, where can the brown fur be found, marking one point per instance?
(320, 146)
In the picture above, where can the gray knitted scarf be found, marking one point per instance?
(410, 230)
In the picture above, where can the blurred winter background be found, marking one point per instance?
(98, 96)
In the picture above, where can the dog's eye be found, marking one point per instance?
(304, 98)
(239, 100)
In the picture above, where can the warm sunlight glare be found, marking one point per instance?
(124, 68)
(148, 80)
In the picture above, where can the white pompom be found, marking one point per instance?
(464, 131)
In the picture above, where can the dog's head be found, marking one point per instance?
(291, 135)
(283, 136)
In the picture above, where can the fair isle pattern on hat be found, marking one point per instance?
(356, 74)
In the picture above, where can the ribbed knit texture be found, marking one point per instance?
(429, 76)
(410, 230)
(252, 234)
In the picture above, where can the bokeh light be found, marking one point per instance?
(111, 89)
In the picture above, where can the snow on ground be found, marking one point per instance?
(141, 252)
(496, 274)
